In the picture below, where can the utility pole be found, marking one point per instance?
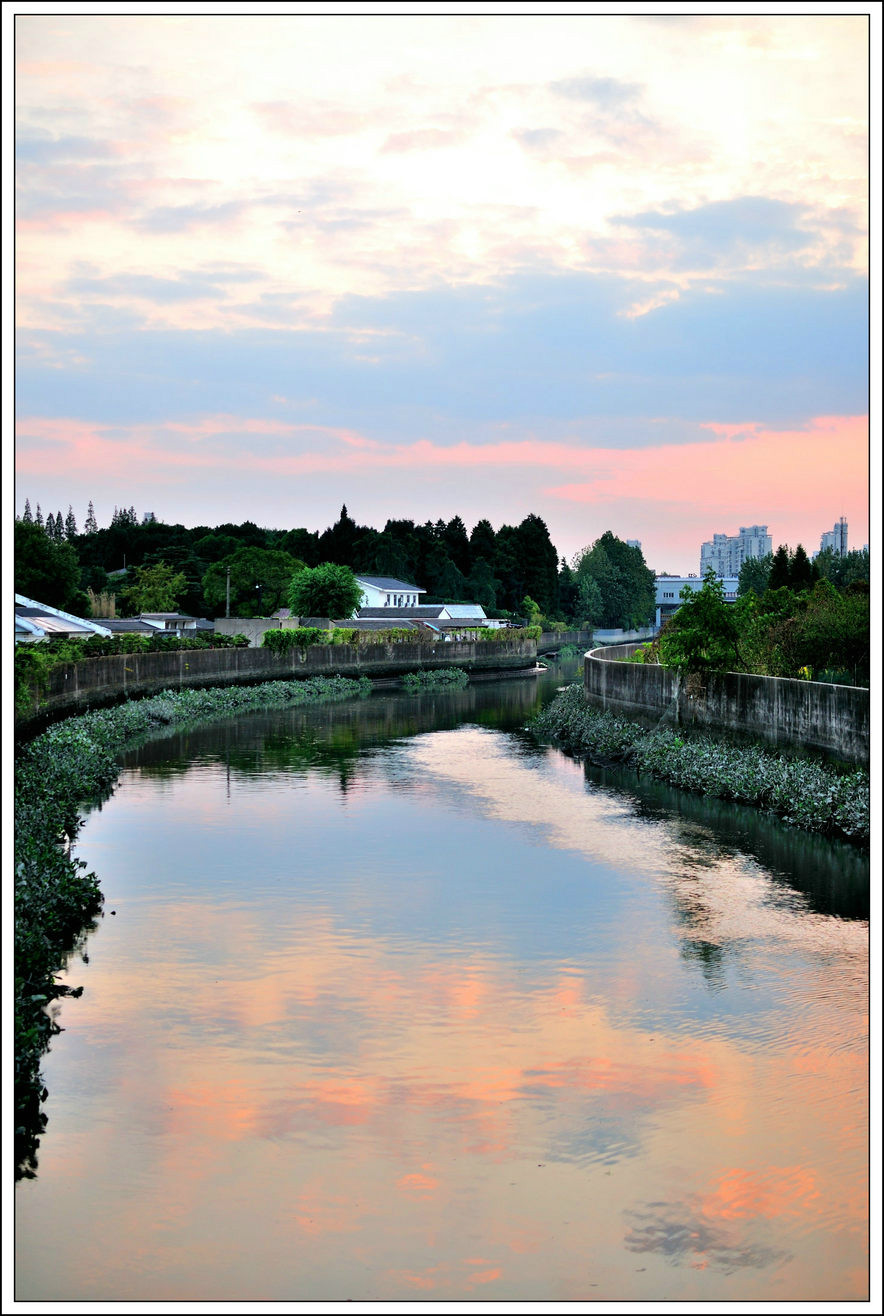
(227, 613)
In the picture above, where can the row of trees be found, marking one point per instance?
(787, 570)
(60, 530)
(151, 566)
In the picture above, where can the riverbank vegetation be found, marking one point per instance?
(33, 663)
(815, 633)
(447, 678)
(56, 899)
(803, 792)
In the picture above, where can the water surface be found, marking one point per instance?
(397, 1005)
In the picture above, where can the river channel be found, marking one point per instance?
(391, 1003)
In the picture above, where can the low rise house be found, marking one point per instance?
(38, 621)
(388, 592)
(177, 623)
(128, 626)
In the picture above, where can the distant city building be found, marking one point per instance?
(634, 543)
(725, 554)
(668, 593)
(836, 538)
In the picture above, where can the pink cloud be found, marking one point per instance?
(672, 496)
(787, 467)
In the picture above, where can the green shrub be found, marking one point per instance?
(446, 678)
(294, 637)
(503, 634)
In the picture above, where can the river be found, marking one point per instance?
(391, 1003)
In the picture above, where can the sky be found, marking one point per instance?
(609, 270)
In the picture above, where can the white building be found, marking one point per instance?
(836, 538)
(725, 554)
(387, 592)
(668, 593)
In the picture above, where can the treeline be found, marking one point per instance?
(786, 569)
(793, 618)
(148, 566)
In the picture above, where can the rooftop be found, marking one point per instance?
(421, 610)
(389, 582)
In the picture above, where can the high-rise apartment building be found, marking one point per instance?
(725, 554)
(836, 538)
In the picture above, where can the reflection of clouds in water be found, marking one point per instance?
(684, 1236)
(712, 1230)
(722, 896)
(607, 1135)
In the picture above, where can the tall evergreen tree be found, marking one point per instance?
(50, 527)
(780, 569)
(458, 544)
(483, 542)
(801, 573)
(337, 544)
(91, 524)
(27, 514)
(70, 524)
(38, 517)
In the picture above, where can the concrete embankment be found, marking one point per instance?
(809, 715)
(95, 682)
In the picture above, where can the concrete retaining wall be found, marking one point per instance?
(550, 640)
(253, 628)
(831, 719)
(97, 681)
(624, 637)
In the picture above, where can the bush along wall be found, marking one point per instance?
(299, 637)
(34, 662)
(56, 899)
(802, 792)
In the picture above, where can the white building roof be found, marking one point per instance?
(389, 582)
(53, 621)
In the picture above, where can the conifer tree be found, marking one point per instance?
(50, 527)
(27, 515)
(801, 572)
(780, 569)
(38, 518)
(91, 524)
(59, 527)
(70, 523)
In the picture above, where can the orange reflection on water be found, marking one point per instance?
(740, 1194)
(368, 1115)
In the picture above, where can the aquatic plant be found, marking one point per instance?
(804, 792)
(447, 678)
(74, 762)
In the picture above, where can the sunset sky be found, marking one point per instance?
(609, 270)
